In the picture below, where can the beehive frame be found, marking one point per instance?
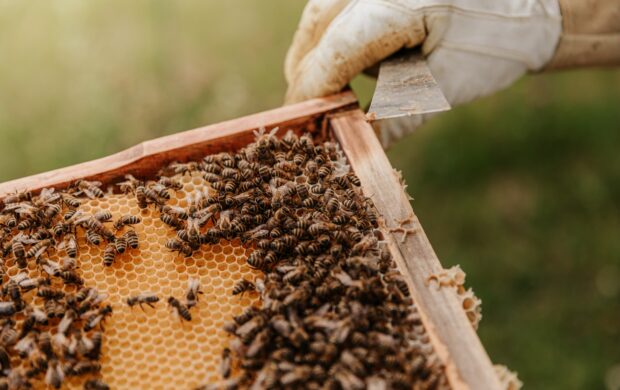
(467, 364)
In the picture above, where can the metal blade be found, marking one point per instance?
(405, 86)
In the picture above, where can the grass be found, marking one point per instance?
(522, 189)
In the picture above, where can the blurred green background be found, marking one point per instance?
(522, 189)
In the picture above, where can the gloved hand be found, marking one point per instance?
(473, 47)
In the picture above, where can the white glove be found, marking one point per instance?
(473, 47)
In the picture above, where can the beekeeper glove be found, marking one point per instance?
(473, 47)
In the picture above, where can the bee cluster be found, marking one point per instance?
(335, 312)
(51, 326)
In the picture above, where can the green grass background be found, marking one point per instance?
(522, 189)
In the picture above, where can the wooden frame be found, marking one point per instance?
(454, 339)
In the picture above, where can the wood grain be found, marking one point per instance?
(467, 364)
(143, 160)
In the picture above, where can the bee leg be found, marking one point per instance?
(151, 305)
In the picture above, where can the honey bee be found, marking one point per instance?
(170, 183)
(71, 277)
(143, 298)
(109, 254)
(54, 375)
(132, 239)
(160, 190)
(141, 197)
(126, 220)
(103, 215)
(193, 291)
(179, 246)
(7, 308)
(171, 220)
(89, 188)
(242, 286)
(93, 237)
(332, 205)
(40, 246)
(181, 168)
(83, 367)
(52, 210)
(225, 366)
(130, 184)
(50, 293)
(17, 196)
(176, 211)
(120, 244)
(181, 310)
(95, 384)
(97, 317)
(70, 245)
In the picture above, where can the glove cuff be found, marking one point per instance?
(590, 36)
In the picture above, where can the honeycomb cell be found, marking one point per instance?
(150, 347)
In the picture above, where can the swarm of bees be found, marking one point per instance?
(335, 312)
(49, 332)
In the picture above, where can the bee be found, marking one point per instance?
(54, 375)
(95, 384)
(52, 210)
(53, 308)
(132, 239)
(84, 367)
(71, 246)
(225, 365)
(170, 183)
(97, 317)
(144, 298)
(25, 224)
(141, 197)
(171, 220)
(49, 293)
(160, 190)
(129, 185)
(180, 168)
(180, 308)
(96, 225)
(295, 275)
(120, 244)
(70, 201)
(242, 286)
(103, 216)
(324, 171)
(109, 254)
(91, 347)
(71, 277)
(7, 308)
(211, 177)
(93, 237)
(246, 316)
(126, 220)
(89, 188)
(179, 246)
(193, 291)
(176, 211)
(40, 246)
(17, 196)
(332, 205)
(352, 177)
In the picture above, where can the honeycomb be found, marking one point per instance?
(151, 348)
(455, 277)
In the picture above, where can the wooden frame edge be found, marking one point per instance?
(468, 366)
(141, 160)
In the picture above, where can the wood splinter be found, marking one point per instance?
(402, 229)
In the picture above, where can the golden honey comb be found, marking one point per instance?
(152, 348)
